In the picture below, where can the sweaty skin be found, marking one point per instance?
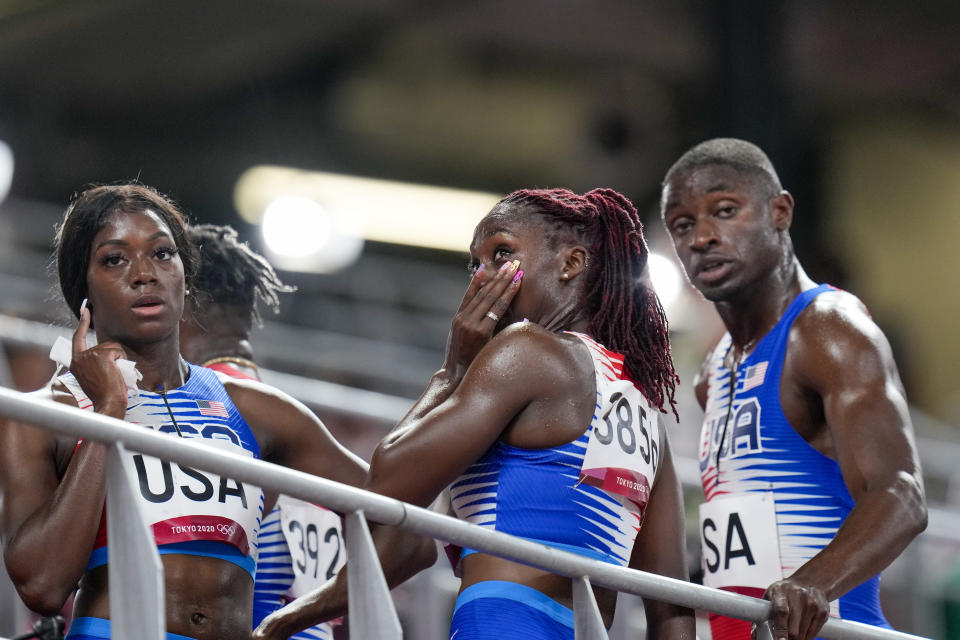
(840, 389)
(526, 385)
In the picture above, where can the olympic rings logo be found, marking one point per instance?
(226, 530)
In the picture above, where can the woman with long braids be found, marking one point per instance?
(543, 420)
(122, 250)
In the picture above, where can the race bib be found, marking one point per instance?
(623, 452)
(181, 504)
(739, 543)
(315, 538)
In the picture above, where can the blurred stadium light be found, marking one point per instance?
(302, 235)
(6, 169)
(666, 279)
(380, 210)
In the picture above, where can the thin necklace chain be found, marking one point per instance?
(163, 394)
(744, 352)
(734, 370)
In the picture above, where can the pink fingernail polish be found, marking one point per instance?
(505, 266)
(519, 275)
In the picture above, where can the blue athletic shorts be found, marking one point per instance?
(99, 629)
(498, 610)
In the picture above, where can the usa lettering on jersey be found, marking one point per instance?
(733, 434)
(183, 504)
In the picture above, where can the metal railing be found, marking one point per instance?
(136, 594)
(938, 455)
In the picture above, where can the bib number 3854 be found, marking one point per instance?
(623, 452)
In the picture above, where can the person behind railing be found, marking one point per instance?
(300, 544)
(807, 456)
(123, 249)
(544, 418)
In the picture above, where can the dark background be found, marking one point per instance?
(856, 102)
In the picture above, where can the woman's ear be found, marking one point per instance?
(574, 262)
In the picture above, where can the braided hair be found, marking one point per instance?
(626, 315)
(230, 273)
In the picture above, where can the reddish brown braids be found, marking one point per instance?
(626, 316)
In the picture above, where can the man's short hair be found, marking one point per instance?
(743, 156)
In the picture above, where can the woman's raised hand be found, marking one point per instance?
(487, 298)
(97, 372)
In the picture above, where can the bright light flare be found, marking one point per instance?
(301, 235)
(666, 278)
(6, 169)
(381, 210)
(295, 226)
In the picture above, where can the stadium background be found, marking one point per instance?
(857, 103)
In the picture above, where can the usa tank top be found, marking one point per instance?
(555, 495)
(773, 501)
(190, 511)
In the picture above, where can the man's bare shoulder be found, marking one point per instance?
(836, 335)
(836, 315)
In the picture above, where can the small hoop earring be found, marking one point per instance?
(565, 276)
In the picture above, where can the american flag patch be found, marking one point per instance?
(755, 375)
(212, 408)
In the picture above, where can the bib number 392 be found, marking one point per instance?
(623, 452)
(314, 538)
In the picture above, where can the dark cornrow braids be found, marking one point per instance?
(231, 273)
(626, 316)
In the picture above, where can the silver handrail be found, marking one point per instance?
(350, 500)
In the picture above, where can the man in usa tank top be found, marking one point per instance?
(807, 459)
